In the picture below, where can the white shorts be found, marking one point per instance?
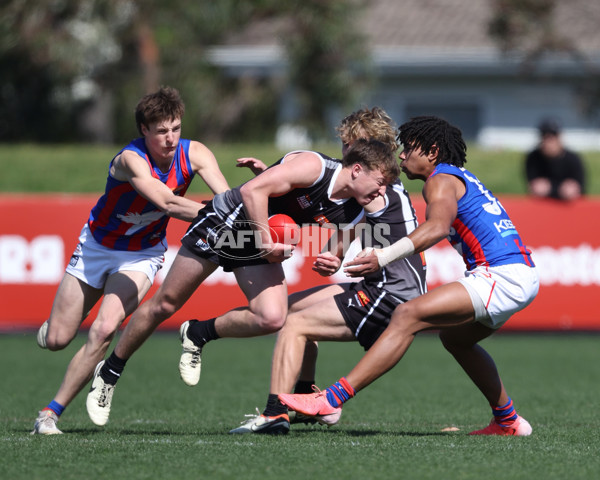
(499, 292)
(92, 263)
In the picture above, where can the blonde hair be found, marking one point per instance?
(369, 124)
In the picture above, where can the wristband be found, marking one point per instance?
(396, 251)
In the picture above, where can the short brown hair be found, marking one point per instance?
(164, 104)
(373, 155)
(366, 123)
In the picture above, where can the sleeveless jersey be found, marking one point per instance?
(403, 278)
(483, 233)
(124, 220)
(308, 205)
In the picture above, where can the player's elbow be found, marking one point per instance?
(246, 193)
(437, 232)
(251, 192)
(171, 207)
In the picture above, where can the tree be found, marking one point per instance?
(328, 58)
(54, 55)
(73, 69)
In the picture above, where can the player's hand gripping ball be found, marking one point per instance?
(284, 229)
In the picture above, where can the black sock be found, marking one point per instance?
(274, 406)
(202, 332)
(112, 369)
(303, 386)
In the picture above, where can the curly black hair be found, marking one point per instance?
(426, 131)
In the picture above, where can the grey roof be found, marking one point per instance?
(428, 23)
(464, 23)
(426, 29)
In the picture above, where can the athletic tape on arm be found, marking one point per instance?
(396, 251)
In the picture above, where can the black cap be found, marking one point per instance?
(549, 126)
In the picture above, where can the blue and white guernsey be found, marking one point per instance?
(483, 233)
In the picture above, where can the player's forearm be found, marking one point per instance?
(424, 237)
(256, 206)
(181, 208)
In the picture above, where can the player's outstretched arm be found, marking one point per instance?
(441, 194)
(130, 167)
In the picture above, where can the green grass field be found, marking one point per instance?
(162, 429)
(83, 168)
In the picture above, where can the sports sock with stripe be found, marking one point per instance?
(55, 407)
(340, 392)
(112, 369)
(202, 332)
(505, 414)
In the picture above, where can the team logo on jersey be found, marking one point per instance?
(139, 221)
(304, 201)
(140, 218)
(202, 244)
(362, 298)
(492, 207)
(321, 219)
(76, 255)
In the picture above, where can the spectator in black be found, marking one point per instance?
(553, 170)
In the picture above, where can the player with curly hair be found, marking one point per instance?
(500, 280)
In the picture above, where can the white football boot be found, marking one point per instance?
(45, 424)
(190, 362)
(99, 398)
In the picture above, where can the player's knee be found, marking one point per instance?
(270, 321)
(408, 312)
(402, 315)
(295, 324)
(161, 306)
(288, 329)
(57, 339)
(55, 343)
(103, 330)
(405, 320)
(163, 309)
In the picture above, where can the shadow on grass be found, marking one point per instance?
(375, 432)
(297, 432)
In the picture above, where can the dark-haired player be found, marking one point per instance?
(500, 280)
(122, 245)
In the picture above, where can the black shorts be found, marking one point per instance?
(211, 238)
(367, 311)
